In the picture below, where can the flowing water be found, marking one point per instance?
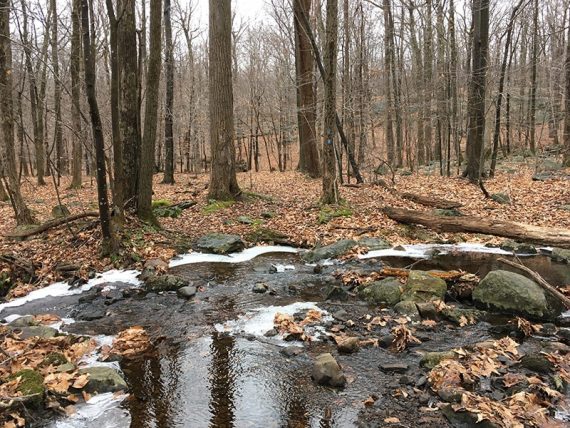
(213, 366)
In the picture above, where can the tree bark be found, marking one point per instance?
(567, 103)
(109, 245)
(60, 161)
(75, 60)
(144, 206)
(23, 214)
(306, 103)
(223, 180)
(470, 224)
(533, 81)
(476, 101)
(168, 109)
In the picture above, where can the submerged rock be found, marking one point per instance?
(329, 251)
(103, 379)
(220, 243)
(326, 371)
(423, 287)
(510, 292)
(186, 292)
(386, 291)
(158, 283)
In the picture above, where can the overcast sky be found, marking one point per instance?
(245, 9)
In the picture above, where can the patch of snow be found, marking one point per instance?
(11, 318)
(259, 321)
(61, 288)
(64, 321)
(92, 359)
(283, 268)
(101, 411)
(244, 256)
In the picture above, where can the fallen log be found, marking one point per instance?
(551, 236)
(539, 280)
(430, 201)
(21, 234)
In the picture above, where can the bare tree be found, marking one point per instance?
(168, 108)
(75, 68)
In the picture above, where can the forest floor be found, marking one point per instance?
(285, 204)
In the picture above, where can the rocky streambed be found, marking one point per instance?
(364, 353)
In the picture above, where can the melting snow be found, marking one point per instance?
(244, 256)
(101, 411)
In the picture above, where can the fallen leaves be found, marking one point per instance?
(403, 337)
(131, 342)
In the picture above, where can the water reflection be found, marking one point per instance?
(222, 378)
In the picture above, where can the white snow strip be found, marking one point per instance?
(259, 321)
(244, 256)
(283, 268)
(102, 411)
(64, 289)
(11, 318)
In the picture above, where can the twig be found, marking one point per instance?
(540, 280)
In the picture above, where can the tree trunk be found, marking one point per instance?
(306, 103)
(168, 109)
(223, 180)
(144, 206)
(60, 160)
(330, 187)
(390, 146)
(75, 60)
(476, 101)
(567, 104)
(533, 81)
(428, 83)
(109, 245)
(23, 214)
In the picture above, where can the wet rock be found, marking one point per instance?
(103, 379)
(460, 316)
(406, 380)
(501, 198)
(374, 243)
(451, 395)
(386, 291)
(518, 247)
(347, 345)
(536, 363)
(394, 367)
(427, 310)
(464, 419)
(422, 381)
(385, 341)
(408, 309)
(91, 313)
(341, 315)
(167, 282)
(220, 243)
(36, 331)
(423, 287)
(329, 251)
(326, 371)
(60, 211)
(560, 347)
(564, 335)
(291, 351)
(24, 321)
(548, 329)
(271, 333)
(260, 287)
(561, 255)
(432, 359)
(510, 292)
(151, 267)
(186, 292)
(243, 219)
(336, 292)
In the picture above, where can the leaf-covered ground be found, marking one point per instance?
(282, 203)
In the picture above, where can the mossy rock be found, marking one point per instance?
(54, 359)
(60, 211)
(157, 283)
(243, 219)
(561, 255)
(408, 309)
(423, 287)
(386, 291)
(432, 359)
(501, 198)
(215, 206)
(219, 243)
(103, 379)
(161, 203)
(31, 383)
(263, 234)
(328, 212)
(329, 251)
(373, 243)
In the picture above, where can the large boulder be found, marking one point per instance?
(326, 371)
(103, 379)
(42, 331)
(374, 243)
(158, 283)
(220, 243)
(510, 292)
(423, 287)
(329, 251)
(386, 292)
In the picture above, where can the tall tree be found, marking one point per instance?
(23, 214)
(223, 180)
(567, 103)
(60, 161)
(144, 205)
(476, 101)
(306, 103)
(75, 61)
(168, 108)
(533, 80)
(330, 187)
(109, 244)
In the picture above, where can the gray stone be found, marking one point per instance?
(329, 251)
(386, 291)
(464, 419)
(25, 321)
(291, 351)
(65, 368)
(450, 394)
(260, 287)
(103, 379)
(385, 341)
(537, 363)
(431, 359)
(427, 310)
(501, 198)
(60, 211)
(167, 282)
(347, 345)
(518, 247)
(91, 313)
(423, 287)
(548, 165)
(336, 292)
(243, 219)
(394, 367)
(513, 293)
(186, 292)
(561, 255)
(36, 331)
(220, 243)
(374, 243)
(326, 371)
(460, 315)
(408, 309)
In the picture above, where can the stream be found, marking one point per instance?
(213, 365)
